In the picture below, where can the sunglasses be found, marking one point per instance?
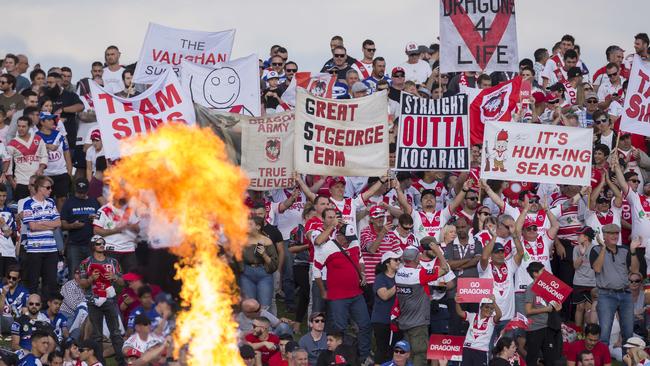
(531, 228)
(407, 227)
(290, 70)
(49, 188)
(11, 278)
(34, 304)
(340, 55)
(100, 243)
(611, 75)
(399, 351)
(371, 49)
(634, 181)
(533, 201)
(398, 75)
(599, 121)
(592, 101)
(319, 320)
(635, 281)
(554, 102)
(472, 198)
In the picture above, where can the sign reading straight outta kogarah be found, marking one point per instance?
(478, 35)
(433, 134)
(347, 137)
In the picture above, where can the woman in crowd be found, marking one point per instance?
(448, 234)
(639, 301)
(260, 260)
(635, 354)
(384, 290)
(503, 352)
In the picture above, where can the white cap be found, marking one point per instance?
(271, 75)
(486, 300)
(411, 48)
(634, 342)
(388, 255)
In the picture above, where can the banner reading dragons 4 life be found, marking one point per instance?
(537, 153)
(347, 137)
(433, 134)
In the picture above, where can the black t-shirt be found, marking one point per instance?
(394, 94)
(498, 361)
(75, 209)
(273, 233)
(272, 102)
(67, 99)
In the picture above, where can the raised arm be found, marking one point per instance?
(613, 162)
(618, 195)
(303, 187)
(286, 204)
(487, 251)
(460, 196)
(596, 192)
(373, 188)
(401, 197)
(493, 195)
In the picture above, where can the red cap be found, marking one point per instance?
(132, 276)
(335, 180)
(550, 98)
(529, 223)
(377, 211)
(396, 70)
(95, 135)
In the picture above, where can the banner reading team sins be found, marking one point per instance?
(537, 153)
(347, 137)
(433, 134)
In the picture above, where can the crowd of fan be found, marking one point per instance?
(355, 258)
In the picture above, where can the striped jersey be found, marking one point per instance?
(369, 235)
(55, 159)
(37, 211)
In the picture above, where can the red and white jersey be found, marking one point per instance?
(483, 237)
(462, 213)
(369, 235)
(395, 238)
(539, 218)
(626, 215)
(535, 251)
(632, 165)
(640, 215)
(25, 157)
(292, 216)
(348, 208)
(596, 220)
(508, 246)
(142, 345)
(504, 285)
(364, 69)
(437, 186)
(606, 90)
(479, 332)
(554, 69)
(109, 217)
(429, 223)
(570, 93)
(412, 197)
(431, 265)
(343, 280)
(600, 76)
(568, 217)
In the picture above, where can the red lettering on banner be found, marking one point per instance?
(109, 102)
(459, 138)
(335, 111)
(174, 58)
(550, 170)
(121, 128)
(128, 107)
(341, 137)
(168, 98)
(329, 157)
(644, 79)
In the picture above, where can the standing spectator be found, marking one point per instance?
(416, 69)
(584, 279)
(129, 87)
(629, 183)
(340, 64)
(342, 259)
(384, 291)
(13, 67)
(612, 265)
(59, 163)
(28, 156)
(77, 217)
(112, 75)
(464, 253)
(260, 261)
(364, 66)
(39, 345)
(41, 218)
(8, 249)
(10, 100)
(378, 73)
(412, 281)
(315, 341)
(65, 104)
(119, 226)
(540, 340)
(23, 327)
(13, 298)
(66, 79)
(479, 334)
(98, 274)
(262, 340)
(591, 343)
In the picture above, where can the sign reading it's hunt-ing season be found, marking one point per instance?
(433, 134)
(121, 118)
(347, 137)
(537, 153)
(165, 46)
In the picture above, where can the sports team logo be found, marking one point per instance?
(493, 108)
(272, 149)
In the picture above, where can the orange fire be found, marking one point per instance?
(182, 176)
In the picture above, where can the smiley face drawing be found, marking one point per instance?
(221, 87)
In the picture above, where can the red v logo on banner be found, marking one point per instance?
(472, 38)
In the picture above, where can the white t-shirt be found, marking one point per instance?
(418, 72)
(91, 156)
(291, 217)
(607, 140)
(640, 210)
(113, 80)
(479, 332)
(536, 251)
(504, 285)
(596, 220)
(142, 345)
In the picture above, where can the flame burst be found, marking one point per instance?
(189, 182)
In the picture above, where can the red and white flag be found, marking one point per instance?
(518, 322)
(318, 84)
(493, 104)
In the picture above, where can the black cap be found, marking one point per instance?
(81, 185)
(428, 191)
(90, 344)
(588, 232)
(498, 247)
(574, 72)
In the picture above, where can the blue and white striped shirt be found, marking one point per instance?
(35, 211)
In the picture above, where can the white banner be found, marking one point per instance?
(347, 137)
(232, 86)
(478, 36)
(267, 150)
(164, 46)
(530, 152)
(121, 118)
(636, 111)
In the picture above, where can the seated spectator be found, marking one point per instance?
(26, 324)
(39, 345)
(635, 354)
(128, 299)
(401, 353)
(248, 354)
(336, 351)
(143, 339)
(315, 341)
(262, 340)
(590, 343)
(283, 358)
(147, 307)
(14, 299)
(57, 320)
(251, 309)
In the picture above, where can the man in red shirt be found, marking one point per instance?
(591, 343)
(262, 340)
